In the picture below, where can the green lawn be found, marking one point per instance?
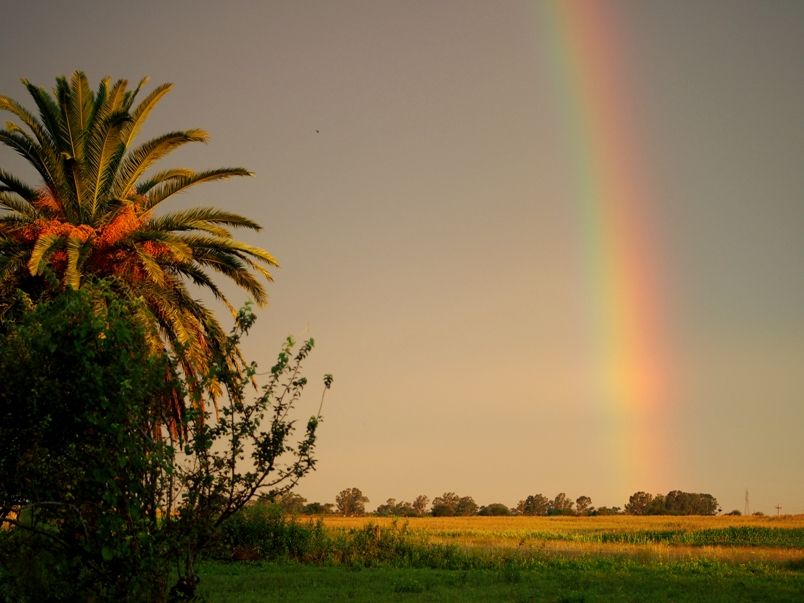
(593, 579)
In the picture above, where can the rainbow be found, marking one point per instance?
(625, 314)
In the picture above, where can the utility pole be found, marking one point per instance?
(747, 510)
(778, 509)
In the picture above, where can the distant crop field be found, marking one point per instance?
(726, 538)
(569, 523)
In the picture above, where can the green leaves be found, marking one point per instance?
(78, 402)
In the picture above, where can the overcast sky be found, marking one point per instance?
(419, 175)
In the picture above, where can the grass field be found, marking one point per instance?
(567, 559)
(727, 538)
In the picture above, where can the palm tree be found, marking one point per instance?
(92, 215)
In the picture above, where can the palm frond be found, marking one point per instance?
(178, 249)
(234, 267)
(49, 114)
(30, 151)
(199, 218)
(75, 101)
(200, 225)
(215, 252)
(43, 137)
(10, 222)
(72, 274)
(140, 114)
(140, 159)
(78, 182)
(200, 241)
(131, 128)
(180, 325)
(13, 202)
(257, 267)
(116, 97)
(99, 103)
(132, 94)
(152, 268)
(103, 143)
(176, 185)
(82, 102)
(42, 249)
(203, 280)
(146, 185)
(18, 186)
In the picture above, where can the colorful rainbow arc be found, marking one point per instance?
(626, 310)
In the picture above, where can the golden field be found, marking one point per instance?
(728, 538)
(562, 523)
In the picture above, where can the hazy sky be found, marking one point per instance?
(420, 176)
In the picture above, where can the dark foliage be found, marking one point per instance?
(494, 509)
(674, 502)
(79, 465)
(103, 500)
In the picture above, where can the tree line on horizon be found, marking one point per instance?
(351, 502)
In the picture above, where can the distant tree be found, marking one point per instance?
(535, 504)
(405, 509)
(494, 509)
(450, 504)
(583, 505)
(446, 505)
(317, 508)
(351, 502)
(707, 505)
(560, 505)
(388, 508)
(638, 503)
(675, 502)
(678, 502)
(290, 503)
(607, 511)
(466, 506)
(420, 505)
(656, 506)
(734, 512)
(393, 508)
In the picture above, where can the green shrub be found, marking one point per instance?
(109, 508)
(262, 531)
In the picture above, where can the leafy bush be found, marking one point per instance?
(104, 499)
(495, 509)
(263, 531)
(78, 459)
